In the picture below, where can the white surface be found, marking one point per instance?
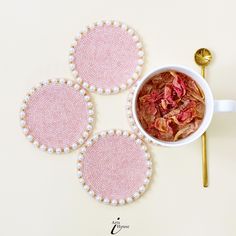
(40, 194)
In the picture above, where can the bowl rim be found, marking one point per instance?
(209, 104)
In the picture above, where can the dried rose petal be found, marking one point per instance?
(179, 86)
(170, 106)
(185, 131)
(162, 125)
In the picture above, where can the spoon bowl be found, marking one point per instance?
(203, 57)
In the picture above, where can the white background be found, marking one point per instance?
(40, 194)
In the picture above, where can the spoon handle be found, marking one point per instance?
(204, 148)
(204, 161)
(203, 71)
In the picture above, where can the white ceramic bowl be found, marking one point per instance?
(209, 104)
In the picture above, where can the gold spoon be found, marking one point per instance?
(203, 57)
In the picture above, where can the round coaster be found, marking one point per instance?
(114, 167)
(106, 57)
(57, 116)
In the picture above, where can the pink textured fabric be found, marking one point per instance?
(114, 167)
(106, 56)
(56, 115)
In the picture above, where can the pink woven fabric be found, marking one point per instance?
(106, 56)
(56, 115)
(114, 167)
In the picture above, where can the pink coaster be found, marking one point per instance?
(57, 116)
(107, 57)
(114, 167)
